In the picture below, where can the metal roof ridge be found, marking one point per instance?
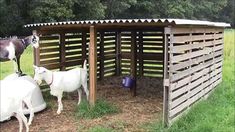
(149, 20)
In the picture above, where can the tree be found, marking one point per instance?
(88, 9)
(51, 10)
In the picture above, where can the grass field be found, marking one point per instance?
(216, 114)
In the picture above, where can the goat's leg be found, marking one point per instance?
(79, 95)
(18, 65)
(22, 116)
(20, 122)
(15, 65)
(30, 107)
(60, 105)
(84, 85)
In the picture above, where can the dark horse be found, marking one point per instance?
(12, 48)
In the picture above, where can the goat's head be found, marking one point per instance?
(39, 74)
(35, 41)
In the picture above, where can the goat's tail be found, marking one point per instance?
(84, 65)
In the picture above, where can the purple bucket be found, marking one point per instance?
(127, 82)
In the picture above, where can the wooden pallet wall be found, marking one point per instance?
(149, 53)
(195, 66)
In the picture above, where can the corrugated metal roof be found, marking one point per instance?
(112, 21)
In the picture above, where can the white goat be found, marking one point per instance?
(13, 96)
(63, 81)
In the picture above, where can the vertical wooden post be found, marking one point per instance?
(101, 55)
(84, 41)
(141, 61)
(166, 78)
(118, 53)
(62, 52)
(93, 64)
(133, 61)
(36, 53)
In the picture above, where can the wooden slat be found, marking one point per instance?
(192, 70)
(50, 44)
(134, 61)
(73, 53)
(42, 38)
(49, 56)
(183, 39)
(73, 42)
(195, 45)
(73, 47)
(190, 101)
(49, 50)
(184, 30)
(189, 55)
(197, 60)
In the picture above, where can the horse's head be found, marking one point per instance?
(35, 41)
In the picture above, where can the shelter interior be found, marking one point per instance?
(186, 59)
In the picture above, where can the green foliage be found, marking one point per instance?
(88, 9)
(101, 108)
(51, 10)
(15, 13)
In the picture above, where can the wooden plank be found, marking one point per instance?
(133, 61)
(101, 55)
(197, 60)
(36, 56)
(49, 50)
(118, 53)
(62, 52)
(73, 47)
(184, 30)
(178, 58)
(140, 57)
(191, 70)
(73, 53)
(73, 36)
(42, 38)
(47, 56)
(195, 45)
(84, 45)
(92, 65)
(188, 102)
(183, 39)
(166, 87)
(50, 44)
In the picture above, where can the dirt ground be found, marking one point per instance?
(134, 111)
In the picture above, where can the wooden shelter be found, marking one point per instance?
(186, 54)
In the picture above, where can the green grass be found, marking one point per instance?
(100, 129)
(7, 68)
(101, 108)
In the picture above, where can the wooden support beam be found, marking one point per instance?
(93, 64)
(141, 61)
(118, 53)
(166, 77)
(36, 52)
(62, 52)
(133, 61)
(101, 55)
(84, 46)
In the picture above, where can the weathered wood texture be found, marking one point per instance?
(149, 52)
(195, 66)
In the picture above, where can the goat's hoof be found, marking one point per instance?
(29, 123)
(58, 112)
